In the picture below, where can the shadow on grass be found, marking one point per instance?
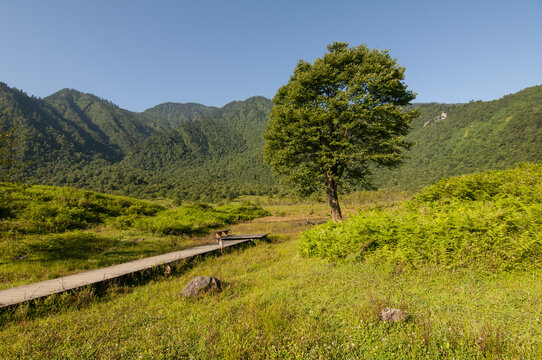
(102, 291)
(80, 246)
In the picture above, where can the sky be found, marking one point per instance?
(138, 54)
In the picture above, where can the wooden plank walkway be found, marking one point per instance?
(45, 288)
(243, 237)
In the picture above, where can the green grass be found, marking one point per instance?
(46, 209)
(278, 305)
(317, 206)
(197, 218)
(48, 232)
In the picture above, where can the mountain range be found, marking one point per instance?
(195, 152)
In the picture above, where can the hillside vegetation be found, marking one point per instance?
(489, 221)
(169, 115)
(184, 151)
(47, 232)
(473, 137)
(204, 159)
(192, 152)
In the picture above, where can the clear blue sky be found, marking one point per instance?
(142, 53)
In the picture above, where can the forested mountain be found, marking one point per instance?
(46, 139)
(169, 115)
(103, 120)
(203, 159)
(454, 139)
(187, 151)
(195, 152)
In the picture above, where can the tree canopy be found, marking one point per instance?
(336, 117)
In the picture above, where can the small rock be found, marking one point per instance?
(393, 315)
(201, 285)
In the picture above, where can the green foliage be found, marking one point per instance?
(169, 115)
(491, 219)
(44, 209)
(200, 160)
(278, 305)
(117, 130)
(336, 117)
(71, 245)
(473, 137)
(197, 218)
(191, 152)
(7, 145)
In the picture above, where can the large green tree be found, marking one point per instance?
(335, 118)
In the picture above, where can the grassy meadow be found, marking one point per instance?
(48, 232)
(315, 292)
(277, 304)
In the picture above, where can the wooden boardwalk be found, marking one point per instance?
(45, 288)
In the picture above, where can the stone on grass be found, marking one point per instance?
(393, 315)
(201, 285)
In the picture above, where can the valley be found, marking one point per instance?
(94, 185)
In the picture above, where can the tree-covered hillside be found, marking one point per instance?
(195, 152)
(103, 120)
(205, 159)
(454, 139)
(182, 151)
(169, 115)
(46, 140)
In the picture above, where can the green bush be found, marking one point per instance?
(47, 209)
(492, 218)
(197, 218)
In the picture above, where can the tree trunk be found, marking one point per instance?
(333, 198)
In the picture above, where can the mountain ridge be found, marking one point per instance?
(475, 136)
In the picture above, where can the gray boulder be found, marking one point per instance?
(393, 315)
(201, 285)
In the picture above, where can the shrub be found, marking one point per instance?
(197, 218)
(492, 218)
(47, 209)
